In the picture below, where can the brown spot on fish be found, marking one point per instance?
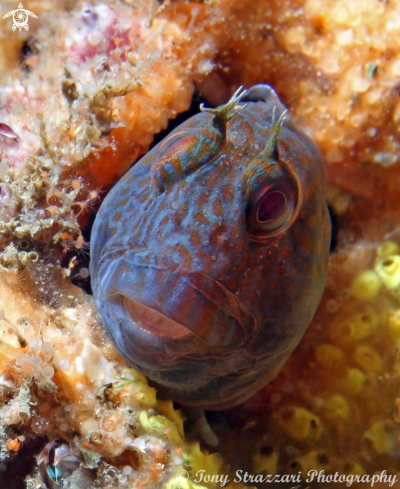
(200, 217)
(217, 209)
(227, 192)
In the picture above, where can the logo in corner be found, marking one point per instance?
(20, 18)
(182, 473)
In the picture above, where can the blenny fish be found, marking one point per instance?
(209, 256)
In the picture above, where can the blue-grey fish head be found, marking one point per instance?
(209, 256)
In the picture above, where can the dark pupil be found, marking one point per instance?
(272, 206)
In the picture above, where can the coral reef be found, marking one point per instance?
(86, 102)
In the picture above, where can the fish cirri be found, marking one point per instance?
(209, 256)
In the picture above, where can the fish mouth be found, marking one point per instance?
(153, 322)
(194, 304)
(175, 305)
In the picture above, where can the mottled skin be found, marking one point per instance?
(209, 256)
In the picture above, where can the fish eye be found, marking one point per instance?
(271, 210)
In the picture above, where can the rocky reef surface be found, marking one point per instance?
(82, 94)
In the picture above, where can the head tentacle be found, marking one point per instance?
(270, 149)
(226, 112)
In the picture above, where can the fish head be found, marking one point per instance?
(209, 256)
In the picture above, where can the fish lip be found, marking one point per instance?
(153, 322)
(164, 328)
(239, 323)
